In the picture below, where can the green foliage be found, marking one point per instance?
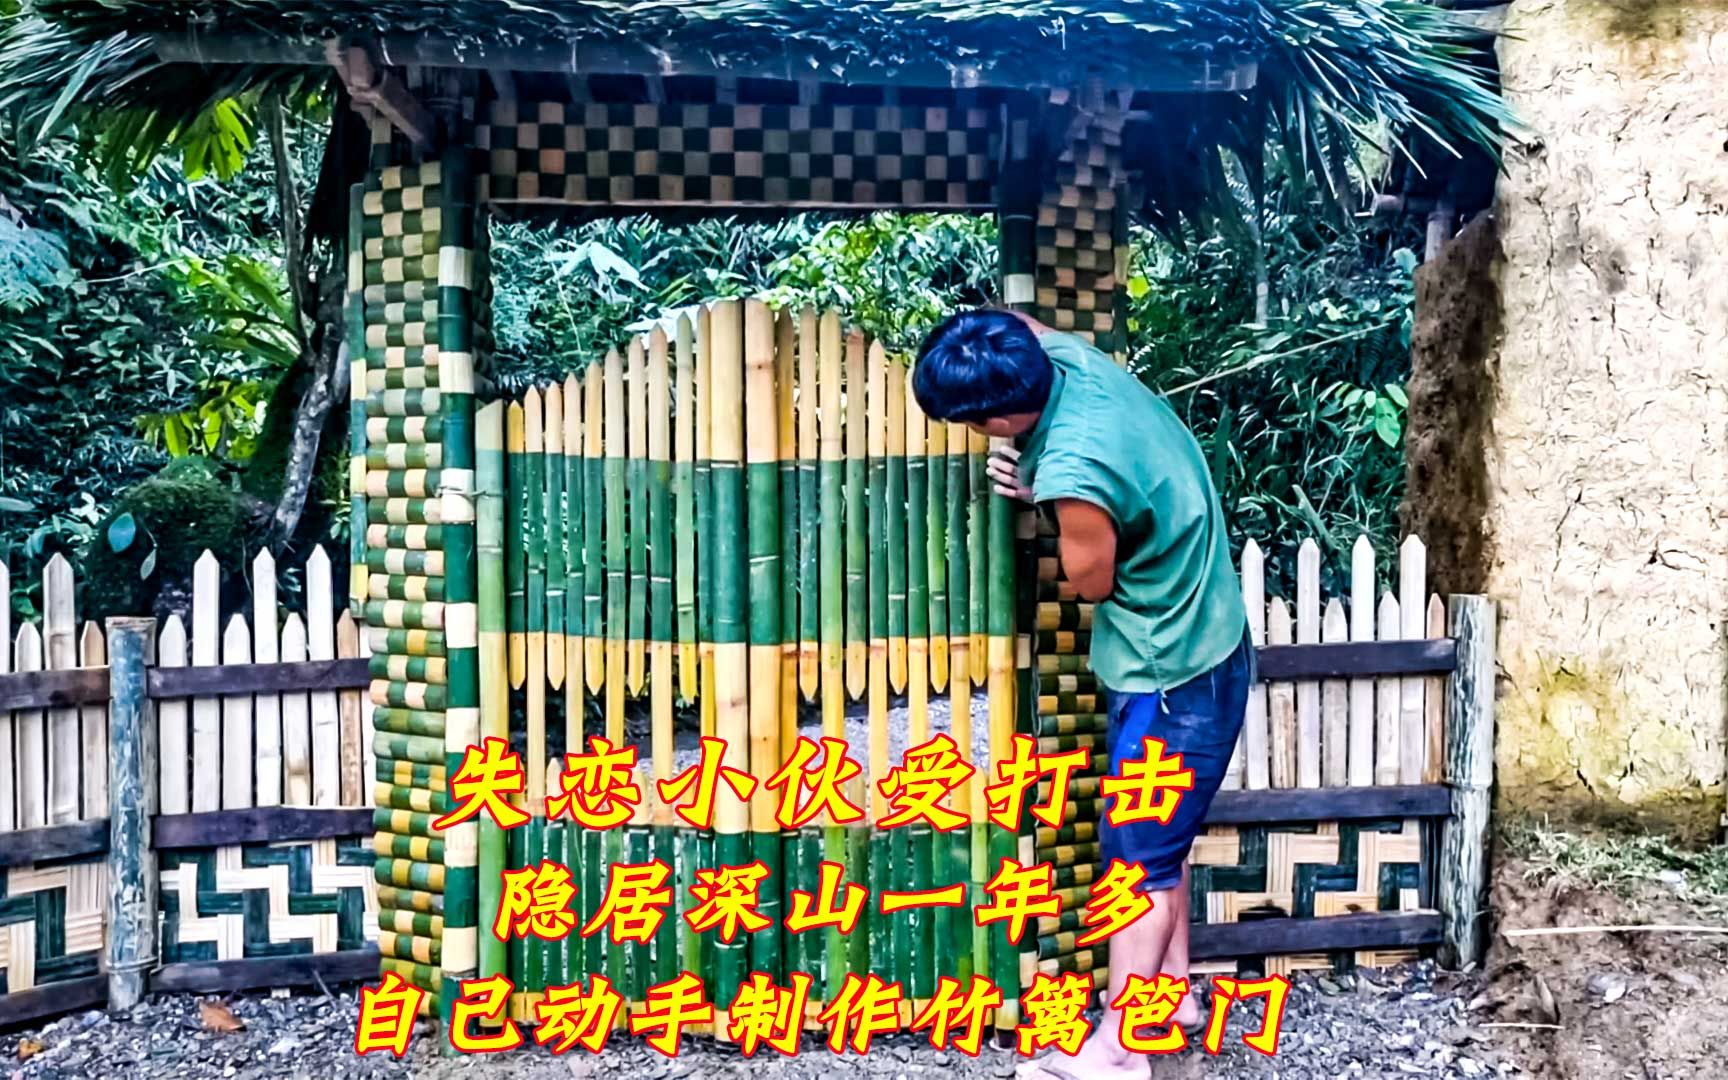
(1303, 415)
(156, 531)
(563, 296)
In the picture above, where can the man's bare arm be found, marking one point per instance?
(1087, 546)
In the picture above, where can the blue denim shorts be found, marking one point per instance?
(1200, 720)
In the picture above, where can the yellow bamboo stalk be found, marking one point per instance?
(770, 664)
(708, 697)
(979, 445)
(534, 443)
(916, 650)
(660, 649)
(877, 421)
(593, 449)
(896, 420)
(514, 443)
(732, 661)
(809, 652)
(615, 441)
(833, 652)
(786, 455)
(573, 642)
(857, 449)
(636, 389)
(554, 451)
(936, 445)
(684, 454)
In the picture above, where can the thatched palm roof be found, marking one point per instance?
(1314, 67)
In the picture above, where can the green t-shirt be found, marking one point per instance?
(1176, 610)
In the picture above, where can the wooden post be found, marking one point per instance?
(1470, 773)
(132, 778)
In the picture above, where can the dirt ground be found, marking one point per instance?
(1638, 1005)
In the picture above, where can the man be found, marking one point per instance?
(1142, 536)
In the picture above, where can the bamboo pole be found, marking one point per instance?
(936, 548)
(1470, 774)
(705, 518)
(552, 533)
(494, 676)
(1281, 702)
(515, 541)
(1000, 688)
(896, 497)
(636, 507)
(593, 527)
(769, 661)
(880, 865)
(660, 555)
(917, 924)
(534, 542)
(809, 527)
(575, 602)
(732, 666)
(1308, 690)
(857, 517)
(833, 556)
(684, 504)
(617, 566)
(977, 529)
(1361, 764)
(132, 913)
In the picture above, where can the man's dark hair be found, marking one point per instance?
(980, 365)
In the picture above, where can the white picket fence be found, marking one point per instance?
(1342, 732)
(224, 752)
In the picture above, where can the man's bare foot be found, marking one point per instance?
(1188, 1013)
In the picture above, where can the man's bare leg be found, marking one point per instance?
(1175, 962)
(1137, 950)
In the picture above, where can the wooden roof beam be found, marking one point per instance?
(371, 87)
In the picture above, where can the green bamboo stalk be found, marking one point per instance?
(857, 518)
(977, 528)
(593, 527)
(534, 538)
(575, 621)
(732, 667)
(552, 530)
(881, 863)
(763, 444)
(832, 556)
(493, 671)
(637, 526)
(896, 508)
(917, 924)
(809, 528)
(684, 504)
(515, 543)
(706, 529)
(617, 565)
(936, 551)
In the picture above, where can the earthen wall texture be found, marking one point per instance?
(1607, 456)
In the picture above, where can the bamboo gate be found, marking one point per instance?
(743, 514)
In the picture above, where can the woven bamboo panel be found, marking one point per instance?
(1081, 253)
(268, 900)
(51, 923)
(905, 157)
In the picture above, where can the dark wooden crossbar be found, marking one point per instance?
(1284, 805)
(50, 999)
(53, 689)
(261, 824)
(1432, 656)
(258, 678)
(1273, 936)
(254, 973)
(22, 847)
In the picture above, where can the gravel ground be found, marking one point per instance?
(1365, 1024)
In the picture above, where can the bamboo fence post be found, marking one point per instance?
(763, 443)
(661, 614)
(732, 667)
(1386, 702)
(1255, 745)
(207, 710)
(917, 924)
(267, 708)
(593, 526)
(705, 519)
(1001, 645)
(60, 653)
(1413, 624)
(834, 591)
(172, 734)
(237, 756)
(636, 506)
(92, 653)
(1334, 705)
(857, 515)
(534, 615)
(789, 416)
(296, 720)
(351, 714)
(896, 507)
(1361, 767)
(1470, 774)
(493, 659)
(552, 518)
(1434, 705)
(936, 546)
(684, 504)
(617, 567)
(1281, 703)
(977, 536)
(879, 843)
(30, 758)
(1308, 690)
(132, 770)
(809, 527)
(326, 714)
(575, 606)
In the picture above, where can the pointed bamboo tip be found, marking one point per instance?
(1362, 547)
(58, 567)
(207, 563)
(173, 630)
(1308, 549)
(264, 564)
(1251, 550)
(319, 558)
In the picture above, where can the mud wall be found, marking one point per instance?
(1605, 457)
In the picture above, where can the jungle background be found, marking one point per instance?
(153, 356)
